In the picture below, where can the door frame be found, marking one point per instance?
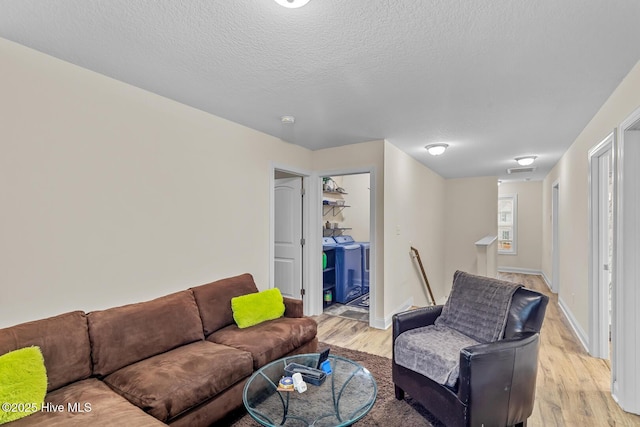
(373, 304)
(307, 229)
(555, 237)
(598, 295)
(625, 372)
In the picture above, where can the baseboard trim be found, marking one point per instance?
(546, 280)
(385, 323)
(580, 333)
(519, 270)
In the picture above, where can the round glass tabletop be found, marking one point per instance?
(342, 398)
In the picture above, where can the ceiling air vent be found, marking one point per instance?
(511, 171)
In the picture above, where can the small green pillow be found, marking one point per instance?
(23, 383)
(251, 309)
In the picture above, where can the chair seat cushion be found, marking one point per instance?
(173, 382)
(433, 351)
(269, 340)
(87, 403)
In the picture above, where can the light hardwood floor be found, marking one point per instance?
(573, 388)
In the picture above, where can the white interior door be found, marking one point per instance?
(288, 236)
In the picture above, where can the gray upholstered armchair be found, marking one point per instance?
(474, 361)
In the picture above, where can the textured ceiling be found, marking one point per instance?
(494, 79)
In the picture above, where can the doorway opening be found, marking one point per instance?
(346, 246)
(601, 218)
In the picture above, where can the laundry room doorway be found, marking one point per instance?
(346, 245)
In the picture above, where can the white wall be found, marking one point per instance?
(414, 216)
(118, 195)
(112, 195)
(471, 212)
(529, 226)
(358, 198)
(571, 172)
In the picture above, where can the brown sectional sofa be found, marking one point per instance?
(179, 359)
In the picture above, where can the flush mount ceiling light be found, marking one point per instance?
(287, 120)
(525, 160)
(436, 149)
(292, 4)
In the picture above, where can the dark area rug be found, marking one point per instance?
(387, 411)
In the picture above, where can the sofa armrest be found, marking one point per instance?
(293, 307)
(412, 319)
(498, 379)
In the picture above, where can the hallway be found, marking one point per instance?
(573, 388)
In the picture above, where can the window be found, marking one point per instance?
(507, 223)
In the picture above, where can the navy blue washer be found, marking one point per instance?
(363, 276)
(348, 271)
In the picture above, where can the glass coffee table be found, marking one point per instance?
(345, 396)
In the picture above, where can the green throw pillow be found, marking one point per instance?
(251, 309)
(23, 383)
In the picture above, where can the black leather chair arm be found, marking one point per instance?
(498, 379)
(412, 319)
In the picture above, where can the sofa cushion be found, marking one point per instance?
(124, 335)
(293, 307)
(64, 342)
(270, 340)
(214, 300)
(173, 382)
(252, 309)
(87, 403)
